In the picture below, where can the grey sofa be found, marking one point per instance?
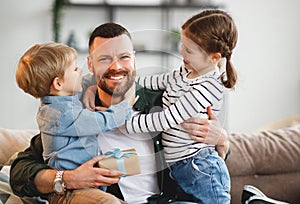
(268, 160)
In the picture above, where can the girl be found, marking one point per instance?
(201, 174)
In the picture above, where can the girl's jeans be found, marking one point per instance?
(203, 178)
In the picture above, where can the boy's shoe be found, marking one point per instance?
(252, 195)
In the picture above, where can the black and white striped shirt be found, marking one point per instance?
(183, 98)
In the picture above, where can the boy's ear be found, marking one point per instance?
(56, 84)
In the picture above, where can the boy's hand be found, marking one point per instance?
(130, 96)
(100, 108)
(88, 99)
(134, 100)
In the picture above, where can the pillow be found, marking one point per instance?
(6, 195)
(265, 152)
(13, 141)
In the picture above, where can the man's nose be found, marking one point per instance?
(116, 65)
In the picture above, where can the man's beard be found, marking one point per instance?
(121, 88)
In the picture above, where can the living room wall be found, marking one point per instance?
(265, 57)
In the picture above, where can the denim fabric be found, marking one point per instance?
(69, 132)
(203, 178)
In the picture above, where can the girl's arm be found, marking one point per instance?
(189, 105)
(160, 81)
(154, 82)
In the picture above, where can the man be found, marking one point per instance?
(112, 62)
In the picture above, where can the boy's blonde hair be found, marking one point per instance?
(39, 66)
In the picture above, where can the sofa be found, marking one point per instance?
(266, 159)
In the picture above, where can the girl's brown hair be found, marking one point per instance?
(215, 32)
(41, 64)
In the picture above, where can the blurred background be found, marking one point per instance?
(266, 56)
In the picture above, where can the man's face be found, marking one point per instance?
(112, 61)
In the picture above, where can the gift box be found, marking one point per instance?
(126, 161)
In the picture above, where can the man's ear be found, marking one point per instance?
(134, 59)
(90, 64)
(56, 84)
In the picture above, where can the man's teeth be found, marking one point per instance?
(117, 77)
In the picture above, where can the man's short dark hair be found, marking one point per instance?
(108, 30)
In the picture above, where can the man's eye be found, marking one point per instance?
(104, 59)
(125, 57)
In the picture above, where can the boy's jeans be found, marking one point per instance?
(204, 176)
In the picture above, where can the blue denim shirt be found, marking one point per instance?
(69, 132)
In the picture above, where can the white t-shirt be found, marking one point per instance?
(137, 188)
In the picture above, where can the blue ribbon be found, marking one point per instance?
(119, 155)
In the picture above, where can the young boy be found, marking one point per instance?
(69, 132)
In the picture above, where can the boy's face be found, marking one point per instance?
(72, 83)
(112, 60)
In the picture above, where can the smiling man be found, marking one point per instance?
(116, 61)
(112, 62)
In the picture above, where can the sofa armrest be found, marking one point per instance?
(13, 141)
(265, 152)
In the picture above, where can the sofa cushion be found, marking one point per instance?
(265, 152)
(6, 195)
(13, 141)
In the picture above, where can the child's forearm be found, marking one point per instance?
(87, 81)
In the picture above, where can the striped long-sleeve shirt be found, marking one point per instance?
(183, 98)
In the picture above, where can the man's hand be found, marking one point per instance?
(208, 131)
(88, 176)
(85, 176)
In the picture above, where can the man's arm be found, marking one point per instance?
(25, 167)
(30, 176)
(208, 131)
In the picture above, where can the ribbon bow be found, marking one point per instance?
(119, 155)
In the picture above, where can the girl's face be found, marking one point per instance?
(195, 58)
